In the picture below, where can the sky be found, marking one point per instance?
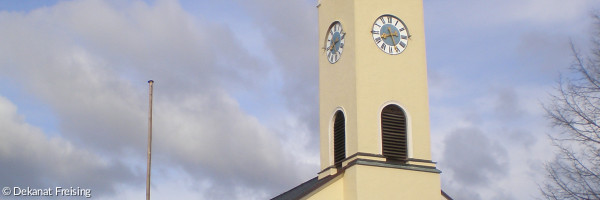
(236, 94)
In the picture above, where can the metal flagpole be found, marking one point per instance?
(150, 82)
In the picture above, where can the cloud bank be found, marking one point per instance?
(88, 62)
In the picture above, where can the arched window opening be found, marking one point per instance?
(339, 138)
(393, 133)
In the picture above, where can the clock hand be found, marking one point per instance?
(332, 46)
(335, 42)
(392, 34)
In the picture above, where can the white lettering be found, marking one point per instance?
(17, 191)
(73, 192)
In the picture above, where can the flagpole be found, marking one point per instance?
(150, 82)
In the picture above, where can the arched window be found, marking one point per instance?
(339, 138)
(393, 133)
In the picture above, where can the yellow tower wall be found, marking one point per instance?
(365, 79)
(361, 83)
(337, 82)
(375, 182)
(383, 78)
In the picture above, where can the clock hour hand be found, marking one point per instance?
(329, 47)
(383, 35)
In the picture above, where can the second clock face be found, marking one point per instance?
(334, 43)
(390, 34)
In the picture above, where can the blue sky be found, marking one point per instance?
(236, 114)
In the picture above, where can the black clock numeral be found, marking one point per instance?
(389, 19)
(377, 40)
(396, 24)
(382, 20)
(403, 36)
(401, 29)
(391, 49)
(341, 45)
(396, 47)
(375, 32)
(402, 44)
(383, 46)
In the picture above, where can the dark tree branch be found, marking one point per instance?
(575, 109)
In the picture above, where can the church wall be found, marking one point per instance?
(389, 183)
(332, 191)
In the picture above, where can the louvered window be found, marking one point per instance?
(339, 138)
(393, 133)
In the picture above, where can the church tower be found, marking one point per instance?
(373, 106)
(374, 112)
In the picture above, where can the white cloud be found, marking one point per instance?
(90, 60)
(31, 158)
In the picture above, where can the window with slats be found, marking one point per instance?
(339, 138)
(394, 133)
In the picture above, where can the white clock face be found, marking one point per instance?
(390, 34)
(334, 43)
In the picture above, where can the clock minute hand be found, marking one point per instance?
(330, 46)
(392, 34)
(335, 42)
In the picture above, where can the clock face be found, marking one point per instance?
(390, 34)
(334, 42)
